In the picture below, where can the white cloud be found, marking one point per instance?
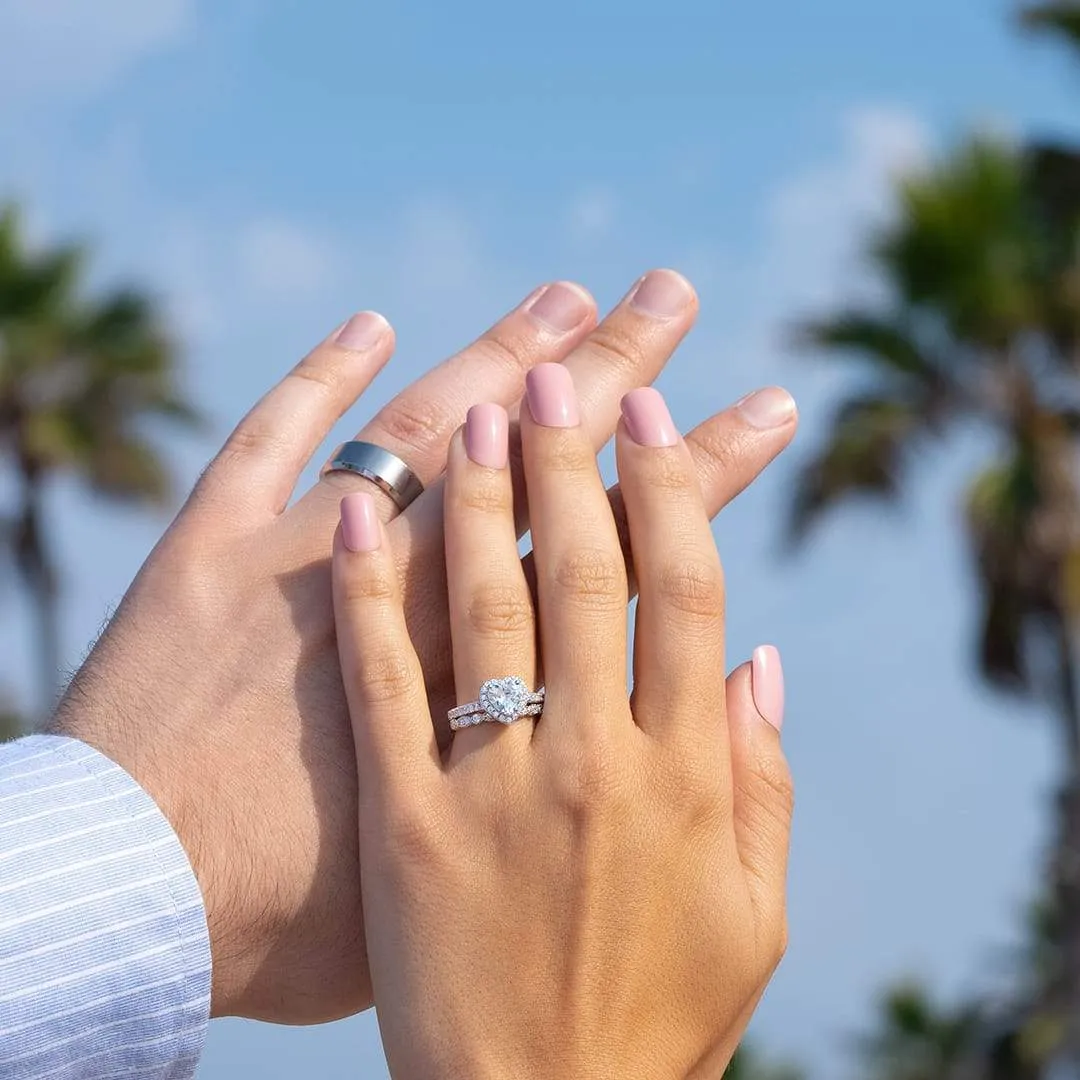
(817, 221)
(592, 214)
(57, 48)
(281, 258)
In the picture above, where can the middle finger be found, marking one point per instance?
(581, 577)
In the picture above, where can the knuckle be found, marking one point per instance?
(590, 780)
(414, 422)
(592, 574)
(719, 451)
(250, 436)
(387, 677)
(500, 611)
(498, 350)
(374, 585)
(411, 830)
(770, 787)
(484, 495)
(692, 588)
(619, 347)
(323, 378)
(564, 451)
(775, 776)
(669, 474)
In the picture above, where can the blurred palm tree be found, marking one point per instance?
(918, 1039)
(1061, 17)
(80, 379)
(982, 328)
(747, 1064)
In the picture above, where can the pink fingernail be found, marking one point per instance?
(662, 293)
(767, 682)
(487, 433)
(561, 307)
(360, 523)
(549, 390)
(768, 408)
(647, 418)
(362, 331)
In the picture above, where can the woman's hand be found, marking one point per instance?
(601, 893)
(217, 683)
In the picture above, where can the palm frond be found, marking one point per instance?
(876, 337)
(864, 455)
(964, 245)
(1061, 17)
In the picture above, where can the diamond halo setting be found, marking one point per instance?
(502, 701)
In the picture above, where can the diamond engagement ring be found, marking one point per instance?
(502, 701)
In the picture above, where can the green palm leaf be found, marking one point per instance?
(82, 379)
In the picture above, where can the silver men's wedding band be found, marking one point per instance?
(385, 470)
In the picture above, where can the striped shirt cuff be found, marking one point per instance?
(104, 947)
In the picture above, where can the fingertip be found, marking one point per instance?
(363, 332)
(361, 529)
(768, 409)
(561, 307)
(767, 684)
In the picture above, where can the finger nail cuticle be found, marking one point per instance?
(362, 331)
(560, 307)
(767, 409)
(662, 293)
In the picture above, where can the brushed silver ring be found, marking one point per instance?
(385, 470)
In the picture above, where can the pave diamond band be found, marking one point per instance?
(502, 701)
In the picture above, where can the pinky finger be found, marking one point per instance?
(763, 792)
(384, 685)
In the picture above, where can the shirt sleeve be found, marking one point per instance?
(104, 948)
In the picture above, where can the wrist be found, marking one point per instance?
(80, 720)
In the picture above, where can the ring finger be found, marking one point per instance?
(491, 613)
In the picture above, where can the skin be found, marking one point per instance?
(217, 684)
(600, 893)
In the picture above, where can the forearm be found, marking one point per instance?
(104, 951)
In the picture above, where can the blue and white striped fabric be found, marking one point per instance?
(104, 949)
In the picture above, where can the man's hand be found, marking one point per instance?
(217, 684)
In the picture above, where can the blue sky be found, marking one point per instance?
(269, 168)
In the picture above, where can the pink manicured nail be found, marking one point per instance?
(768, 408)
(359, 522)
(362, 331)
(487, 432)
(561, 307)
(647, 418)
(663, 293)
(549, 390)
(767, 682)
